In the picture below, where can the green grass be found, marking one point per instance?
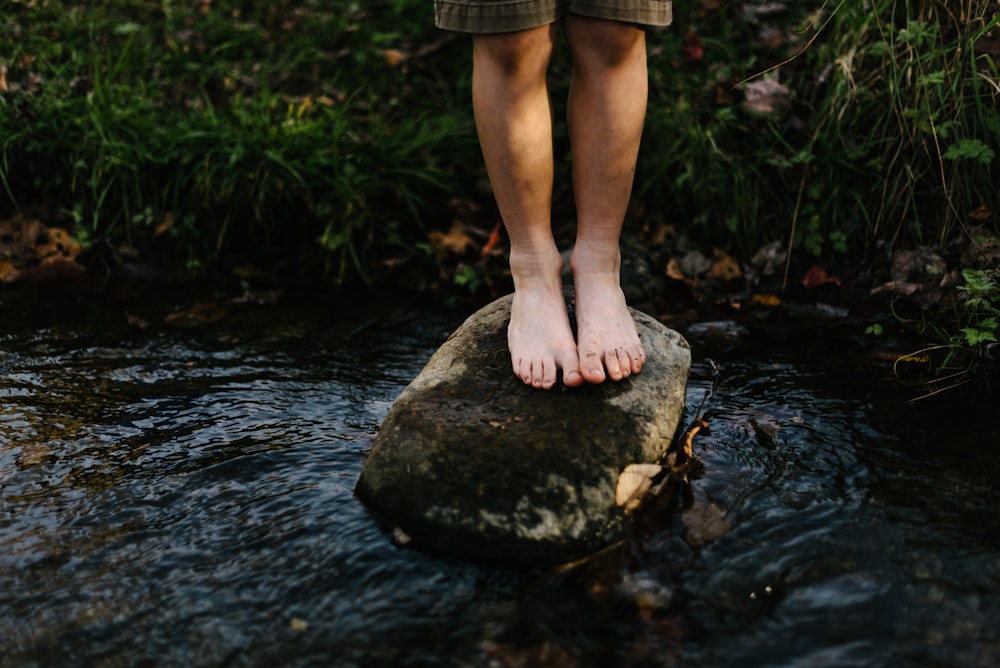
(890, 133)
(280, 134)
(281, 130)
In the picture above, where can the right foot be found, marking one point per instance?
(539, 336)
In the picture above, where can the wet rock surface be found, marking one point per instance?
(471, 461)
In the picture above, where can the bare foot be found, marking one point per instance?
(539, 335)
(608, 342)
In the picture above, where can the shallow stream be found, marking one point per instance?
(183, 496)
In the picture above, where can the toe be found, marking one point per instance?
(573, 378)
(549, 373)
(571, 369)
(591, 368)
(517, 366)
(637, 358)
(537, 374)
(613, 364)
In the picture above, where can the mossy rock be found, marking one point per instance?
(471, 461)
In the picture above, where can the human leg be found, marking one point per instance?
(514, 122)
(607, 107)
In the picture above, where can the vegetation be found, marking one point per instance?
(880, 125)
(231, 126)
(336, 139)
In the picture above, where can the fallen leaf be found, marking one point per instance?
(766, 430)
(982, 212)
(298, 625)
(198, 315)
(8, 272)
(694, 264)
(633, 484)
(136, 321)
(455, 242)
(164, 225)
(687, 444)
(983, 249)
(56, 268)
(693, 48)
(395, 57)
(259, 297)
(769, 259)
(817, 276)
(704, 522)
(766, 97)
(56, 241)
(914, 358)
(918, 265)
(400, 537)
(724, 267)
(492, 242)
(658, 236)
(3, 79)
(765, 300)
(674, 270)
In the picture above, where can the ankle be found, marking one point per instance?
(536, 267)
(596, 262)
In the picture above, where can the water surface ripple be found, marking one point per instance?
(184, 497)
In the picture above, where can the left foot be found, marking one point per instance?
(608, 343)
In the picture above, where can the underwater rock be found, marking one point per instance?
(471, 461)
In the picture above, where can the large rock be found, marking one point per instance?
(469, 460)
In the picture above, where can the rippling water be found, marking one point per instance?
(184, 497)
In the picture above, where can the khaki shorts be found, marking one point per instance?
(492, 16)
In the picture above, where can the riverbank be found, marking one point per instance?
(153, 142)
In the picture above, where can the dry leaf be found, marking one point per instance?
(492, 242)
(766, 97)
(674, 270)
(198, 315)
(136, 321)
(982, 212)
(3, 79)
(687, 445)
(633, 484)
(400, 537)
(164, 225)
(298, 625)
(817, 276)
(693, 48)
(765, 300)
(724, 267)
(455, 242)
(395, 57)
(8, 272)
(704, 523)
(57, 241)
(56, 268)
(983, 249)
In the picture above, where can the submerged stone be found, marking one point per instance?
(471, 461)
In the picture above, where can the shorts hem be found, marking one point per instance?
(514, 15)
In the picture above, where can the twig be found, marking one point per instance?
(801, 51)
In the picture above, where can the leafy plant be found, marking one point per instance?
(224, 127)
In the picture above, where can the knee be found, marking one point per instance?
(514, 55)
(604, 44)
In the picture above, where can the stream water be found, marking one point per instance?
(183, 496)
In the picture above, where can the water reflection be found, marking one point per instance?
(185, 497)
